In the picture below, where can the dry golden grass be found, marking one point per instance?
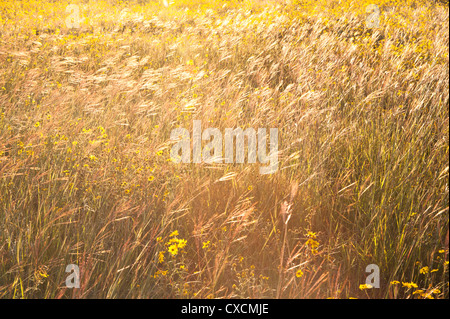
(86, 177)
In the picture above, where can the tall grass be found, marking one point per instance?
(85, 170)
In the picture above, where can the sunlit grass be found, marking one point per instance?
(85, 170)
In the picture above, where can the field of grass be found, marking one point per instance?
(86, 176)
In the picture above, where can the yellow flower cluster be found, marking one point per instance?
(424, 270)
(206, 244)
(365, 286)
(312, 242)
(427, 295)
(409, 285)
(160, 272)
(174, 244)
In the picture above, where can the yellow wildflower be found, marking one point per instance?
(435, 291)
(409, 285)
(206, 244)
(310, 234)
(161, 257)
(182, 243)
(424, 270)
(365, 286)
(311, 242)
(173, 249)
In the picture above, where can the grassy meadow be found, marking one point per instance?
(86, 176)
